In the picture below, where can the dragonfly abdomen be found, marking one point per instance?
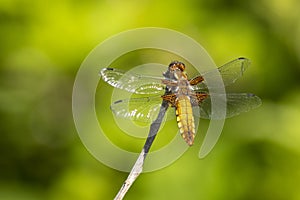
(185, 119)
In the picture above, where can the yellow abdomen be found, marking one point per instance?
(185, 119)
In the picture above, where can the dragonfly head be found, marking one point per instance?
(176, 65)
(176, 71)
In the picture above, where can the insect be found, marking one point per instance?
(180, 92)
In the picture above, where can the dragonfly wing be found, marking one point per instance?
(144, 109)
(229, 72)
(135, 83)
(236, 103)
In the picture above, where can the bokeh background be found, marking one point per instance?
(42, 44)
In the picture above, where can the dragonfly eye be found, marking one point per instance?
(181, 66)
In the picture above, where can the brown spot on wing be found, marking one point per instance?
(196, 80)
(171, 98)
(197, 98)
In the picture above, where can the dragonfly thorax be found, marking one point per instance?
(183, 87)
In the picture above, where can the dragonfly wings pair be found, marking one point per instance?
(183, 93)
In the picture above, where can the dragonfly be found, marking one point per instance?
(181, 93)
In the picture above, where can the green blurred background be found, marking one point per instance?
(42, 44)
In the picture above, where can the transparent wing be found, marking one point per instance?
(135, 83)
(144, 109)
(236, 103)
(230, 72)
